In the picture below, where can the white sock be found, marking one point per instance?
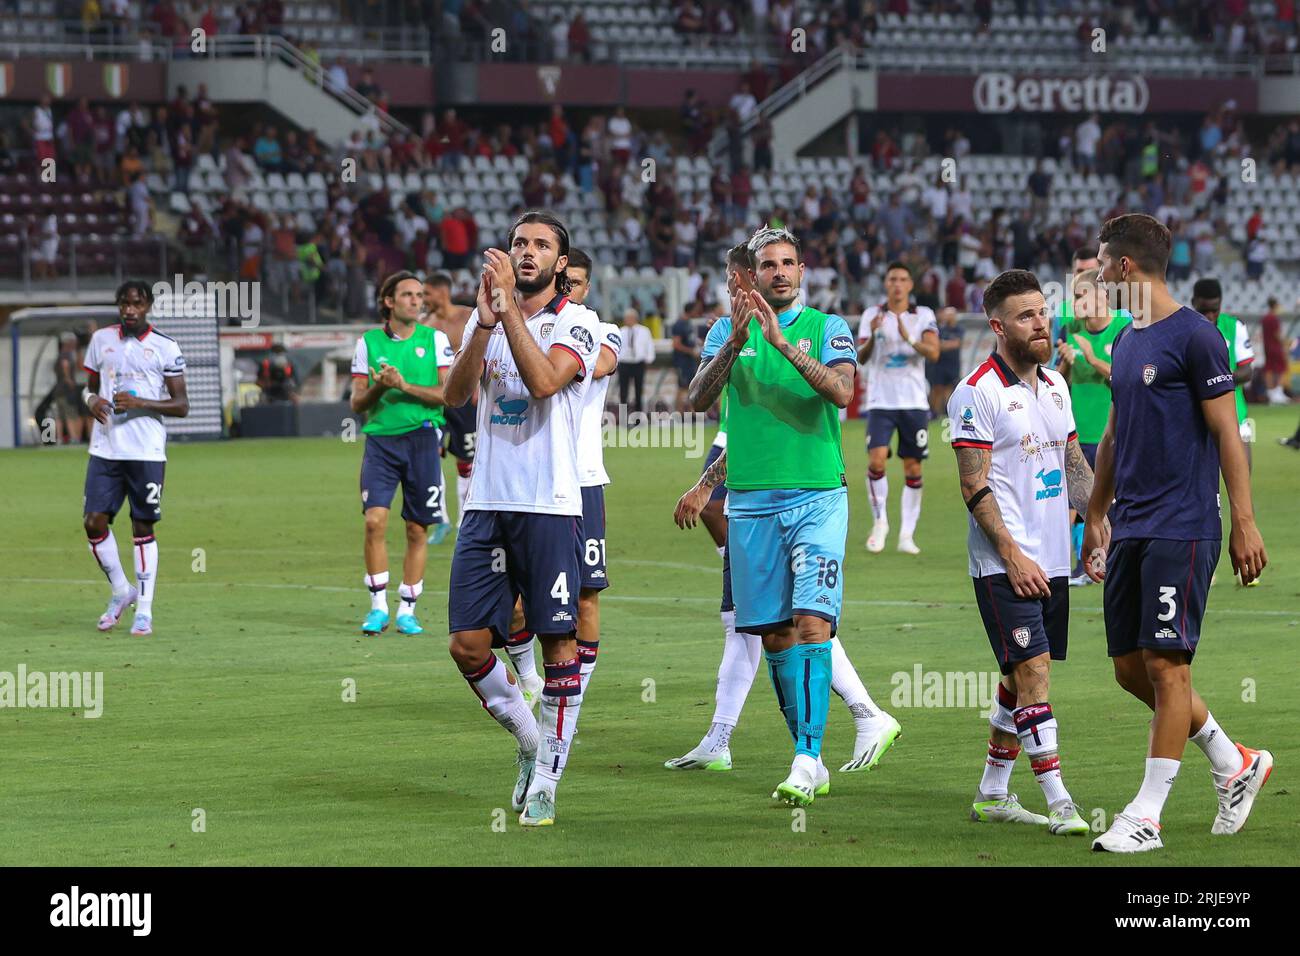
(378, 585)
(104, 551)
(1224, 757)
(502, 699)
(587, 653)
(741, 654)
(911, 507)
(1159, 780)
(145, 550)
(878, 492)
(846, 682)
(1037, 730)
(408, 594)
(561, 700)
(997, 771)
(722, 550)
(718, 738)
(462, 489)
(520, 648)
(807, 763)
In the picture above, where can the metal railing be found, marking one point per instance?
(123, 41)
(76, 272)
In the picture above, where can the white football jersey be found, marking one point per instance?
(137, 365)
(1026, 434)
(896, 371)
(526, 456)
(591, 433)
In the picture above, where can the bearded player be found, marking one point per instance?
(136, 377)
(787, 501)
(531, 354)
(1016, 448)
(591, 465)
(876, 731)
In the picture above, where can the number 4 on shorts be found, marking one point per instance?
(560, 589)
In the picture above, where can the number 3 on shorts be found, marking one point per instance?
(560, 589)
(1166, 600)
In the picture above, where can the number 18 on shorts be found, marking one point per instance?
(789, 563)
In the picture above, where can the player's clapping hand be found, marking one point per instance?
(1086, 348)
(740, 316)
(902, 330)
(1064, 353)
(689, 506)
(771, 325)
(389, 377)
(1246, 548)
(124, 400)
(100, 409)
(503, 278)
(877, 320)
(486, 314)
(1027, 579)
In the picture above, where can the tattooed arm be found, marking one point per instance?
(1027, 579)
(692, 503)
(1078, 477)
(711, 377)
(833, 383)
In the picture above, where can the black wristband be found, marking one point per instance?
(975, 498)
(490, 328)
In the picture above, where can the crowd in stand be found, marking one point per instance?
(848, 234)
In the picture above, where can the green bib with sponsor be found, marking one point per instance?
(1228, 329)
(780, 432)
(1089, 392)
(416, 358)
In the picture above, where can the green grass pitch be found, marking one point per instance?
(235, 705)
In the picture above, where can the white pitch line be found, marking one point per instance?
(631, 598)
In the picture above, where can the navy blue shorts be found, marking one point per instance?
(461, 425)
(1155, 595)
(727, 603)
(912, 425)
(593, 546)
(502, 555)
(719, 492)
(1023, 628)
(1090, 453)
(411, 460)
(109, 482)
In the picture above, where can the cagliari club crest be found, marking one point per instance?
(1148, 374)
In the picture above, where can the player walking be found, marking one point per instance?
(532, 355)
(787, 501)
(876, 731)
(136, 376)
(1015, 442)
(593, 478)
(447, 317)
(895, 340)
(1172, 426)
(398, 372)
